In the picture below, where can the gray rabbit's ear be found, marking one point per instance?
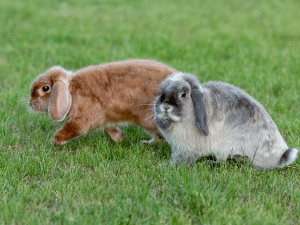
(60, 101)
(200, 110)
(198, 103)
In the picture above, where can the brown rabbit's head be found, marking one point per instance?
(50, 94)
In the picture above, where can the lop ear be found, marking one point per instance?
(200, 110)
(198, 102)
(60, 101)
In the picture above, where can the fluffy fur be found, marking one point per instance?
(100, 96)
(217, 119)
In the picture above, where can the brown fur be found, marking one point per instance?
(104, 96)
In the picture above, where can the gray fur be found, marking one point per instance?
(200, 111)
(236, 124)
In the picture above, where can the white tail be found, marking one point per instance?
(288, 157)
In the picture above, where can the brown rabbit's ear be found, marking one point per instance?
(60, 101)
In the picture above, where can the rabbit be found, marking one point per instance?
(102, 96)
(217, 119)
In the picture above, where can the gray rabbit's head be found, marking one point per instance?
(180, 98)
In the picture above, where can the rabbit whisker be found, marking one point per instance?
(22, 94)
(146, 110)
(150, 117)
(147, 104)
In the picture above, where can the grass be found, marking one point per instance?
(253, 44)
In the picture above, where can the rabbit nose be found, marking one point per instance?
(166, 107)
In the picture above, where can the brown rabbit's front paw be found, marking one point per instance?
(59, 138)
(56, 142)
(63, 135)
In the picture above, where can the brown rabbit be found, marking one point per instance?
(103, 96)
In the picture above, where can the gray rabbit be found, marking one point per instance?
(217, 119)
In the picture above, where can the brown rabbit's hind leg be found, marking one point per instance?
(115, 133)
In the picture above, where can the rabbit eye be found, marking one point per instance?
(46, 88)
(162, 97)
(183, 95)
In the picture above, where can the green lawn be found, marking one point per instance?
(253, 44)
